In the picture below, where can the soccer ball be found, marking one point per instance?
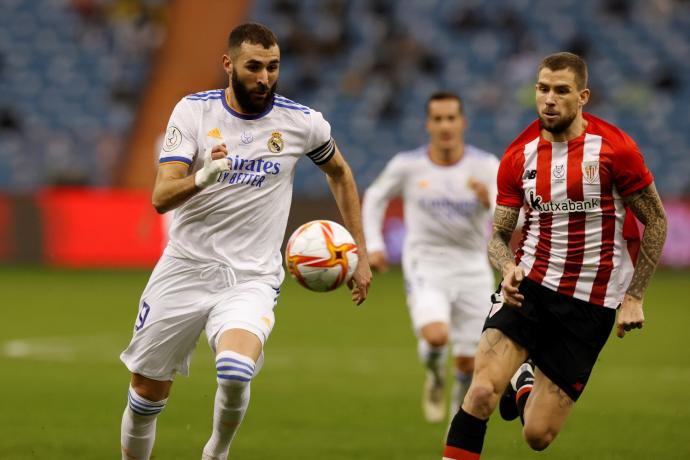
(321, 255)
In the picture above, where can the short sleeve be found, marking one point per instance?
(509, 183)
(179, 142)
(320, 146)
(630, 174)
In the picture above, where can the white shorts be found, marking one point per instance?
(183, 298)
(461, 302)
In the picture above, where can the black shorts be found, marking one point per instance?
(563, 335)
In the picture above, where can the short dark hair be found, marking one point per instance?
(251, 32)
(570, 61)
(441, 95)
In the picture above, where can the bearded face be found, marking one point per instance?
(557, 124)
(252, 100)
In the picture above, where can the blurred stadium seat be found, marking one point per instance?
(71, 73)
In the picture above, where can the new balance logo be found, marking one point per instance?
(530, 174)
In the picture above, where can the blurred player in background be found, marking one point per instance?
(226, 168)
(576, 174)
(448, 188)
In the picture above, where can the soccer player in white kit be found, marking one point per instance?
(226, 168)
(448, 189)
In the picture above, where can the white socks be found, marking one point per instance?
(235, 372)
(433, 358)
(138, 430)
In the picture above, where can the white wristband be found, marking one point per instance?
(211, 170)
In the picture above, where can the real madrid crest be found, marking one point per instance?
(275, 143)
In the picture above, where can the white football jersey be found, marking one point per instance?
(240, 221)
(444, 221)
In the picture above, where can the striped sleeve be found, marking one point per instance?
(323, 153)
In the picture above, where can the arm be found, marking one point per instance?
(376, 198)
(344, 189)
(481, 191)
(173, 186)
(647, 207)
(502, 257)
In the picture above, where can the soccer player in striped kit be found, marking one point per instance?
(448, 188)
(580, 259)
(226, 168)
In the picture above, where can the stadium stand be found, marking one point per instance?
(71, 72)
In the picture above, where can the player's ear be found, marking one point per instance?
(227, 64)
(584, 97)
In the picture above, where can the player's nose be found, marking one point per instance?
(262, 77)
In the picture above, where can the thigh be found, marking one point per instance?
(247, 306)
(496, 360)
(172, 314)
(427, 305)
(548, 407)
(471, 304)
(427, 302)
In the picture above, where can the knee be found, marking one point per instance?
(482, 398)
(435, 336)
(538, 438)
(464, 364)
(153, 390)
(234, 371)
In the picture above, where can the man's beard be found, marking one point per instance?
(244, 98)
(559, 127)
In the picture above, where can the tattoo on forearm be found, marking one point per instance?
(505, 220)
(647, 206)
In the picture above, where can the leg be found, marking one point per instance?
(546, 411)
(146, 399)
(432, 347)
(433, 351)
(464, 367)
(237, 354)
(496, 360)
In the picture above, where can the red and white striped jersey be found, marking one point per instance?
(577, 238)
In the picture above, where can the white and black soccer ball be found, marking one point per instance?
(321, 255)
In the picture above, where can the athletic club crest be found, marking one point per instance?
(275, 143)
(590, 172)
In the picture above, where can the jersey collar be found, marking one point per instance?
(244, 116)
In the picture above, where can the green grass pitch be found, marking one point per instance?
(340, 382)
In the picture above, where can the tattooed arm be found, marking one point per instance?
(647, 207)
(502, 257)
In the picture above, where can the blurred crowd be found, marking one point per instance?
(71, 73)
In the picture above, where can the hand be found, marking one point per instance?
(509, 287)
(378, 261)
(630, 315)
(215, 162)
(360, 281)
(480, 191)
